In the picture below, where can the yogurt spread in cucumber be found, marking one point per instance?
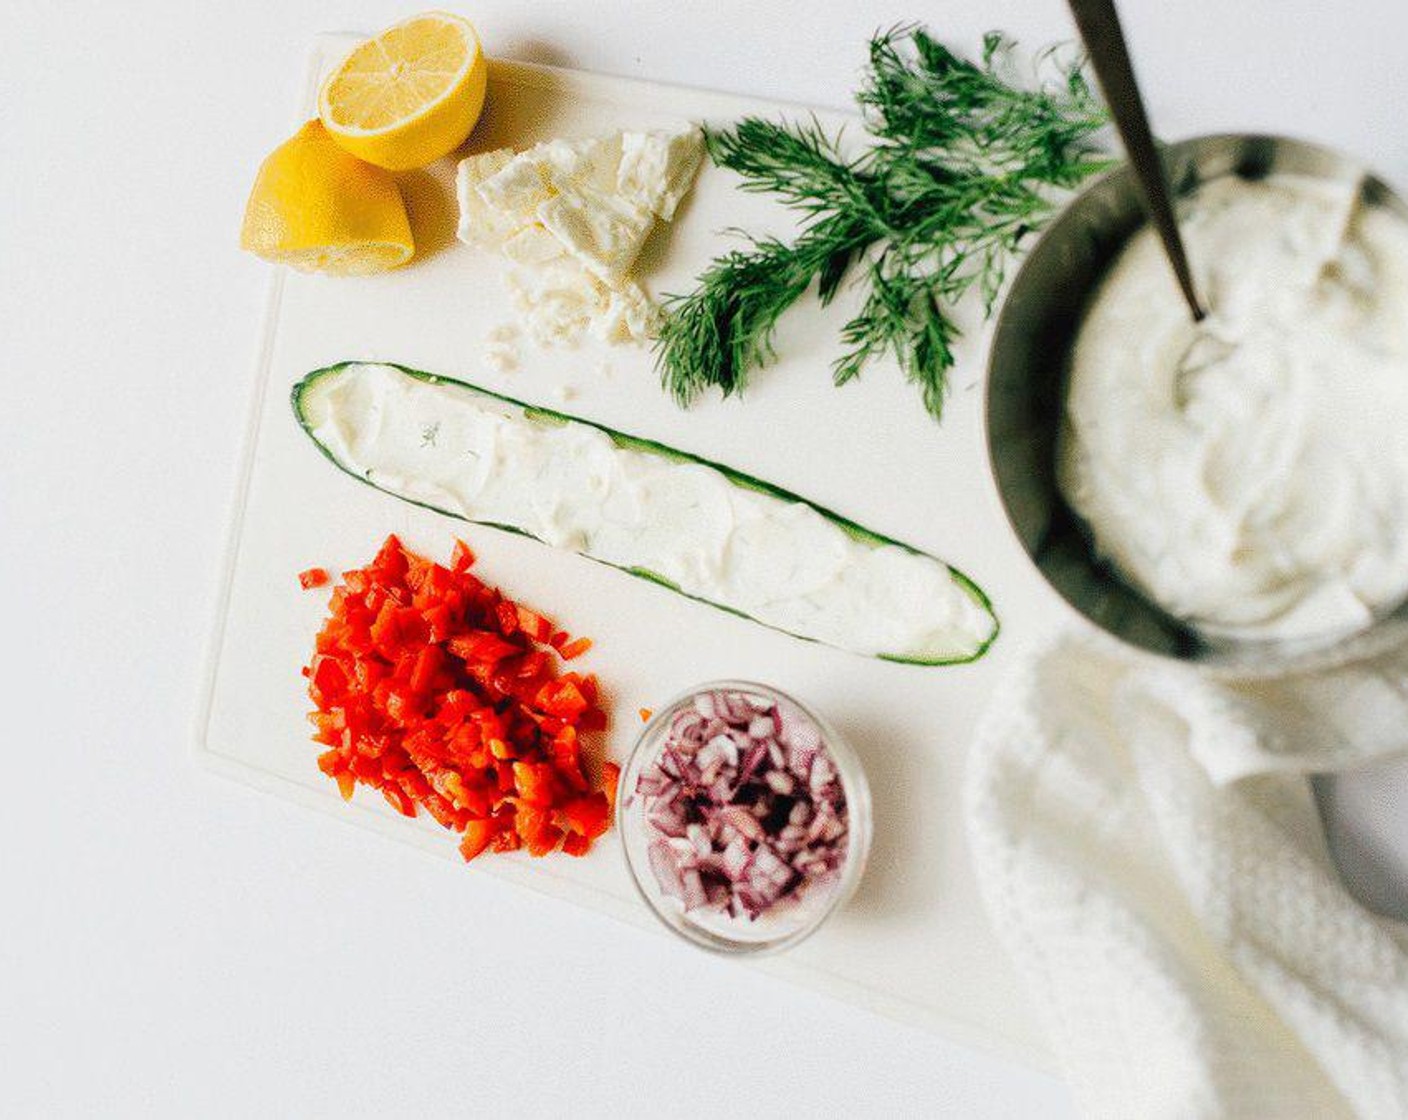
(704, 530)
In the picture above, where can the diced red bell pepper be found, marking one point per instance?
(432, 688)
(481, 646)
(507, 840)
(313, 577)
(590, 816)
(461, 557)
(562, 698)
(428, 663)
(328, 682)
(477, 835)
(535, 783)
(575, 648)
(398, 800)
(610, 780)
(534, 625)
(539, 834)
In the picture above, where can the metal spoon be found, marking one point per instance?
(1099, 26)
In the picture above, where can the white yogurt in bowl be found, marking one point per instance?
(1249, 473)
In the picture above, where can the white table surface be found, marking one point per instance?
(175, 944)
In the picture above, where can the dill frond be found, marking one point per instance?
(959, 168)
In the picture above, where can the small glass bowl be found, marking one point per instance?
(785, 924)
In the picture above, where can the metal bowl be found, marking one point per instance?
(1028, 368)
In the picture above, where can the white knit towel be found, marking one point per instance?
(1149, 852)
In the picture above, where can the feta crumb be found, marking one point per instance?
(658, 168)
(501, 359)
(533, 245)
(480, 223)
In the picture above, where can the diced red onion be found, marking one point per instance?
(692, 885)
(751, 761)
(667, 872)
(730, 706)
(710, 770)
(798, 731)
(822, 775)
(736, 858)
(744, 822)
(745, 805)
(667, 819)
(801, 759)
(726, 748)
(698, 836)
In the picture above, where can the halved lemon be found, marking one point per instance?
(410, 95)
(319, 209)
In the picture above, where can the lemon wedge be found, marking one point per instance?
(319, 209)
(410, 95)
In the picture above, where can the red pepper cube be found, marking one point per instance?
(534, 782)
(562, 698)
(507, 840)
(477, 836)
(534, 625)
(539, 834)
(328, 682)
(589, 816)
(398, 800)
(461, 557)
(313, 577)
(575, 649)
(610, 779)
(427, 665)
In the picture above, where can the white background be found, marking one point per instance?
(173, 943)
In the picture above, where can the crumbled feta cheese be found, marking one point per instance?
(630, 316)
(557, 302)
(572, 216)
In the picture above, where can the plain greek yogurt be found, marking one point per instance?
(1250, 473)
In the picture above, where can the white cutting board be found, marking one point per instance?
(914, 943)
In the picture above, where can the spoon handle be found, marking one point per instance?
(1099, 26)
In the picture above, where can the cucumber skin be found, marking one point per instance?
(638, 443)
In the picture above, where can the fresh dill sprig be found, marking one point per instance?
(960, 166)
